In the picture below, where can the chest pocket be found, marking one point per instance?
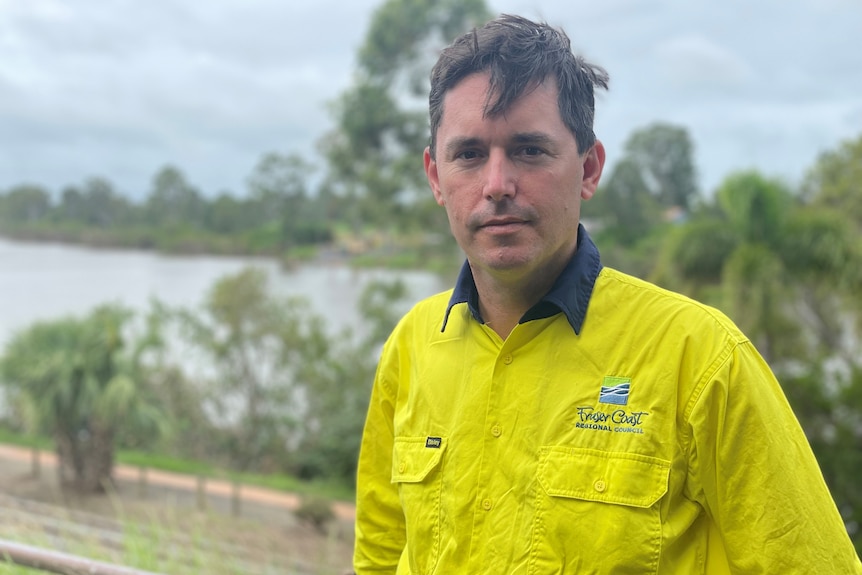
(598, 509)
(417, 469)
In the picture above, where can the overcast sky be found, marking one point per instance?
(119, 88)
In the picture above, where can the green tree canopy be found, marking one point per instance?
(254, 344)
(835, 181)
(623, 206)
(83, 381)
(96, 203)
(173, 201)
(25, 203)
(663, 154)
(768, 261)
(375, 153)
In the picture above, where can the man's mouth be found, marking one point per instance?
(502, 223)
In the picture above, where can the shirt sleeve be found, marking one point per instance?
(380, 525)
(752, 469)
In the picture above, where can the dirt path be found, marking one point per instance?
(17, 460)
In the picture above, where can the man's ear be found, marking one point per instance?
(433, 178)
(594, 162)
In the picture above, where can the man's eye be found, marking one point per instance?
(468, 155)
(531, 151)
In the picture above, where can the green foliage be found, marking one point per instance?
(402, 34)
(317, 512)
(81, 381)
(278, 214)
(24, 203)
(339, 388)
(652, 186)
(254, 342)
(827, 398)
(173, 200)
(756, 208)
(770, 257)
(95, 205)
(624, 206)
(696, 253)
(374, 154)
(663, 153)
(835, 180)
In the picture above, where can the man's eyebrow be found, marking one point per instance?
(531, 138)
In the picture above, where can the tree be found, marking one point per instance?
(95, 204)
(769, 263)
(651, 187)
(828, 403)
(626, 210)
(790, 275)
(278, 187)
(173, 201)
(254, 344)
(374, 154)
(663, 154)
(25, 204)
(339, 388)
(228, 215)
(83, 381)
(835, 181)
(281, 203)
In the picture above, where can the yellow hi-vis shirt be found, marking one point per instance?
(653, 439)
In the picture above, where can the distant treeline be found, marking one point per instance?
(276, 215)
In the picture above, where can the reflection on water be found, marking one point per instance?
(47, 281)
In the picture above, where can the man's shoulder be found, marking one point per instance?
(644, 301)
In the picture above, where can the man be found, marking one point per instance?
(550, 415)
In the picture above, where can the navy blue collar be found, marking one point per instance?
(570, 294)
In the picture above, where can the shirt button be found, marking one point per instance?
(486, 504)
(507, 359)
(496, 431)
(600, 486)
(401, 468)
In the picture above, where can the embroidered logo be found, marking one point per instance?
(615, 390)
(433, 442)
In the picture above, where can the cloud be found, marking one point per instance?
(122, 87)
(694, 62)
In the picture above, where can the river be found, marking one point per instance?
(47, 281)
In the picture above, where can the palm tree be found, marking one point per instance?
(80, 381)
(771, 263)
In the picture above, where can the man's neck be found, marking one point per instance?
(504, 300)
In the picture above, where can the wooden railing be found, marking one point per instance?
(56, 562)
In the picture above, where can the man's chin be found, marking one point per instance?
(506, 260)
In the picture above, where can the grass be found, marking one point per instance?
(21, 440)
(286, 483)
(164, 538)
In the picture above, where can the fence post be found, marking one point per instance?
(36, 462)
(143, 490)
(56, 562)
(202, 493)
(236, 498)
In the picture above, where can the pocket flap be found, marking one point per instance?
(413, 458)
(609, 477)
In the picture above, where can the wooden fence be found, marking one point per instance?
(56, 562)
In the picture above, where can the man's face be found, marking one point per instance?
(511, 184)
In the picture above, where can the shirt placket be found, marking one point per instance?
(491, 486)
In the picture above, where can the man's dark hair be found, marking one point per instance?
(520, 55)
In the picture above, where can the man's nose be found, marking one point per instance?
(499, 176)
